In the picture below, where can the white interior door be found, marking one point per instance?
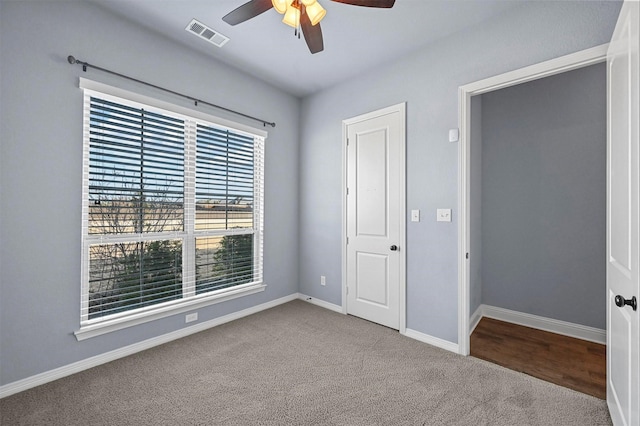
(375, 212)
(623, 288)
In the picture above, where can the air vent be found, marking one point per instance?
(206, 33)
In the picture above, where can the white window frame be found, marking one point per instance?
(190, 301)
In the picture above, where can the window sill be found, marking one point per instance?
(103, 327)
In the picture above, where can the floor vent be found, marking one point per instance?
(204, 32)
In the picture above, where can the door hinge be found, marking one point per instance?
(347, 191)
(347, 290)
(467, 255)
(347, 240)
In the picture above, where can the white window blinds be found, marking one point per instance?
(136, 170)
(172, 208)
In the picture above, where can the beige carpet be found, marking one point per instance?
(298, 364)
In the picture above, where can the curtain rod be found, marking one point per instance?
(74, 61)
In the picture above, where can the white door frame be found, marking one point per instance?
(559, 65)
(402, 209)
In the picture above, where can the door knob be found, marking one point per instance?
(394, 248)
(621, 302)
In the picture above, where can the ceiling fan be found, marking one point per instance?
(303, 15)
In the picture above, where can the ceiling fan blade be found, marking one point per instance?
(312, 34)
(369, 3)
(247, 11)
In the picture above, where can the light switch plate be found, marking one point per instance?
(415, 215)
(443, 215)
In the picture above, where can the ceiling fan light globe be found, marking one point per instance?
(292, 16)
(315, 12)
(280, 6)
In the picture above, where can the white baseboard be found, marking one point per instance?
(431, 340)
(564, 328)
(475, 319)
(321, 303)
(76, 367)
(425, 338)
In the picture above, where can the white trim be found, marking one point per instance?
(416, 335)
(431, 340)
(321, 303)
(76, 367)
(402, 109)
(154, 313)
(102, 89)
(564, 328)
(573, 61)
(344, 219)
(559, 65)
(412, 334)
(403, 216)
(464, 219)
(475, 319)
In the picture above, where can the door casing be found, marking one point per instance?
(402, 210)
(559, 65)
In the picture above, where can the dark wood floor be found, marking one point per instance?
(565, 361)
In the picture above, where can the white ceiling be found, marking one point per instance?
(356, 39)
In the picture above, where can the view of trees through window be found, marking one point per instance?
(134, 275)
(223, 262)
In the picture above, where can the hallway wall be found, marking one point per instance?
(544, 197)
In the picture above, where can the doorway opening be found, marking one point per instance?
(533, 203)
(556, 66)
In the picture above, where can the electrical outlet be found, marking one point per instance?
(323, 280)
(191, 317)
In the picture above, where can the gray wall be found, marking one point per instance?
(544, 197)
(475, 260)
(41, 171)
(41, 144)
(428, 81)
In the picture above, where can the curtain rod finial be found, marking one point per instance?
(71, 60)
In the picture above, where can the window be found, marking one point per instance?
(172, 210)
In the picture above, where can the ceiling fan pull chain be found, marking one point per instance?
(301, 6)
